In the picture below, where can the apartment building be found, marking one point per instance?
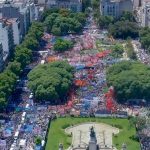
(74, 5)
(142, 12)
(1, 57)
(6, 37)
(145, 13)
(115, 8)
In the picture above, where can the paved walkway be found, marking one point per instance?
(81, 134)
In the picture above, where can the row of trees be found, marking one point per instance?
(21, 58)
(131, 80)
(62, 45)
(63, 21)
(51, 82)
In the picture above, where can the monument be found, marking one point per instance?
(93, 140)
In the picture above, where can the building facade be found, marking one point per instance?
(115, 8)
(11, 11)
(142, 12)
(6, 37)
(25, 11)
(16, 30)
(74, 5)
(145, 14)
(1, 57)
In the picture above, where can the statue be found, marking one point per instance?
(92, 132)
(93, 140)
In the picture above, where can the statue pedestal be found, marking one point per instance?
(92, 145)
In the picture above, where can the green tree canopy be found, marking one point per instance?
(131, 80)
(105, 21)
(126, 15)
(130, 50)
(51, 82)
(117, 50)
(62, 45)
(23, 55)
(64, 21)
(145, 38)
(14, 67)
(124, 29)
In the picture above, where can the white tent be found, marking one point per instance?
(23, 114)
(16, 134)
(22, 142)
(43, 142)
(27, 106)
(42, 62)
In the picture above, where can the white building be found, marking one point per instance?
(16, 30)
(145, 13)
(6, 37)
(142, 12)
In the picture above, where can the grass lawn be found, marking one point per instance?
(57, 134)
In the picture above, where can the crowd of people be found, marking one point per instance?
(30, 121)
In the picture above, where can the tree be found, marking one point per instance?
(36, 30)
(85, 4)
(126, 15)
(117, 50)
(30, 42)
(56, 31)
(80, 17)
(64, 28)
(7, 83)
(38, 140)
(23, 55)
(130, 50)
(62, 45)
(48, 12)
(49, 22)
(77, 27)
(131, 80)
(145, 38)
(124, 29)
(3, 103)
(105, 21)
(64, 12)
(14, 67)
(64, 21)
(51, 82)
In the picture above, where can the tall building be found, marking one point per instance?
(145, 13)
(74, 5)
(6, 37)
(142, 12)
(1, 57)
(10, 11)
(25, 11)
(115, 8)
(16, 30)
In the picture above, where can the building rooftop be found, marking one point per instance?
(8, 21)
